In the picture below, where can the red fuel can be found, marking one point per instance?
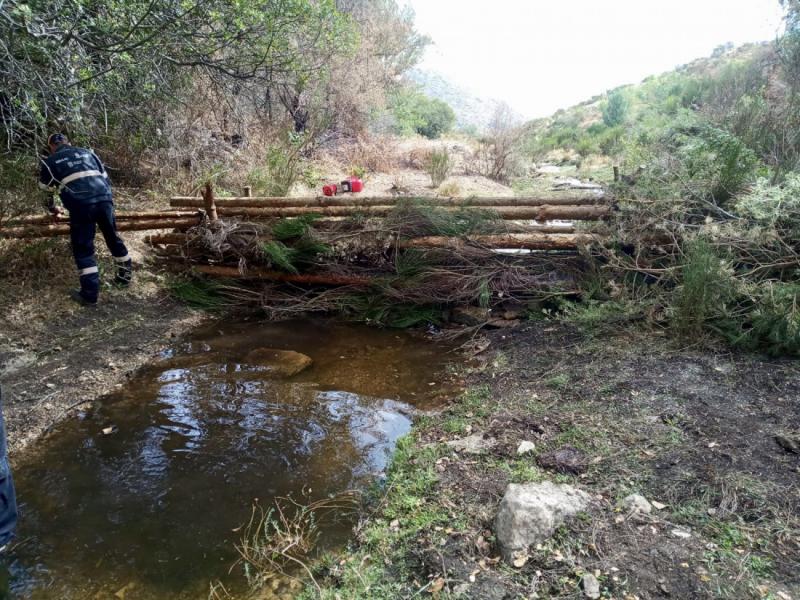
(353, 184)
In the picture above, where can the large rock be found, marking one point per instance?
(279, 363)
(530, 513)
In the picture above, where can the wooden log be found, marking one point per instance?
(57, 229)
(161, 239)
(524, 241)
(119, 216)
(352, 200)
(511, 213)
(306, 278)
(209, 205)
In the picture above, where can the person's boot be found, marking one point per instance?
(77, 296)
(124, 274)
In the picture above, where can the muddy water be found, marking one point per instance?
(140, 499)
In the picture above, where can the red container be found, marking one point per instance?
(330, 189)
(353, 184)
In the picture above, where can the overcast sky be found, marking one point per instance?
(541, 55)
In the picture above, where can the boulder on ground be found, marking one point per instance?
(279, 363)
(530, 513)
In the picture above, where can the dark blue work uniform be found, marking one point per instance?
(8, 498)
(82, 183)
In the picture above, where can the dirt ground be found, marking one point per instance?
(700, 435)
(57, 357)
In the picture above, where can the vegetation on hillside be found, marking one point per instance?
(707, 242)
(176, 94)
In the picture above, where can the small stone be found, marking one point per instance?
(658, 505)
(525, 447)
(591, 586)
(636, 503)
(50, 386)
(679, 533)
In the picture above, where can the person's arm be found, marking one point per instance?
(49, 184)
(100, 166)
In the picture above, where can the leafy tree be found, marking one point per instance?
(615, 110)
(414, 112)
(74, 63)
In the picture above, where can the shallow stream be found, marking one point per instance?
(143, 498)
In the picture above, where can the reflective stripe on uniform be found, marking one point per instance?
(122, 259)
(87, 271)
(81, 175)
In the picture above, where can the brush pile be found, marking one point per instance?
(408, 266)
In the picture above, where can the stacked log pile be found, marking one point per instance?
(433, 252)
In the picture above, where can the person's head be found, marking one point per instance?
(57, 140)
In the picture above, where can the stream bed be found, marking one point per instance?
(143, 497)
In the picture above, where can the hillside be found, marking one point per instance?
(706, 88)
(473, 113)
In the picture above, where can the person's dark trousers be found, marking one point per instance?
(8, 498)
(83, 221)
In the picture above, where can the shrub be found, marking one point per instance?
(615, 109)
(774, 323)
(438, 166)
(449, 190)
(414, 112)
(280, 172)
(773, 206)
(707, 285)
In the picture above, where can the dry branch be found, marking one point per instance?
(526, 241)
(269, 275)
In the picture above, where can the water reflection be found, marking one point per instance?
(151, 508)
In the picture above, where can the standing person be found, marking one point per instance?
(8, 498)
(82, 182)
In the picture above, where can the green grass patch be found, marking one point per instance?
(197, 293)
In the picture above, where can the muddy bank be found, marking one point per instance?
(65, 358)
(705, 438)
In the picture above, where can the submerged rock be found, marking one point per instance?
(281, 363)
(530, 513)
